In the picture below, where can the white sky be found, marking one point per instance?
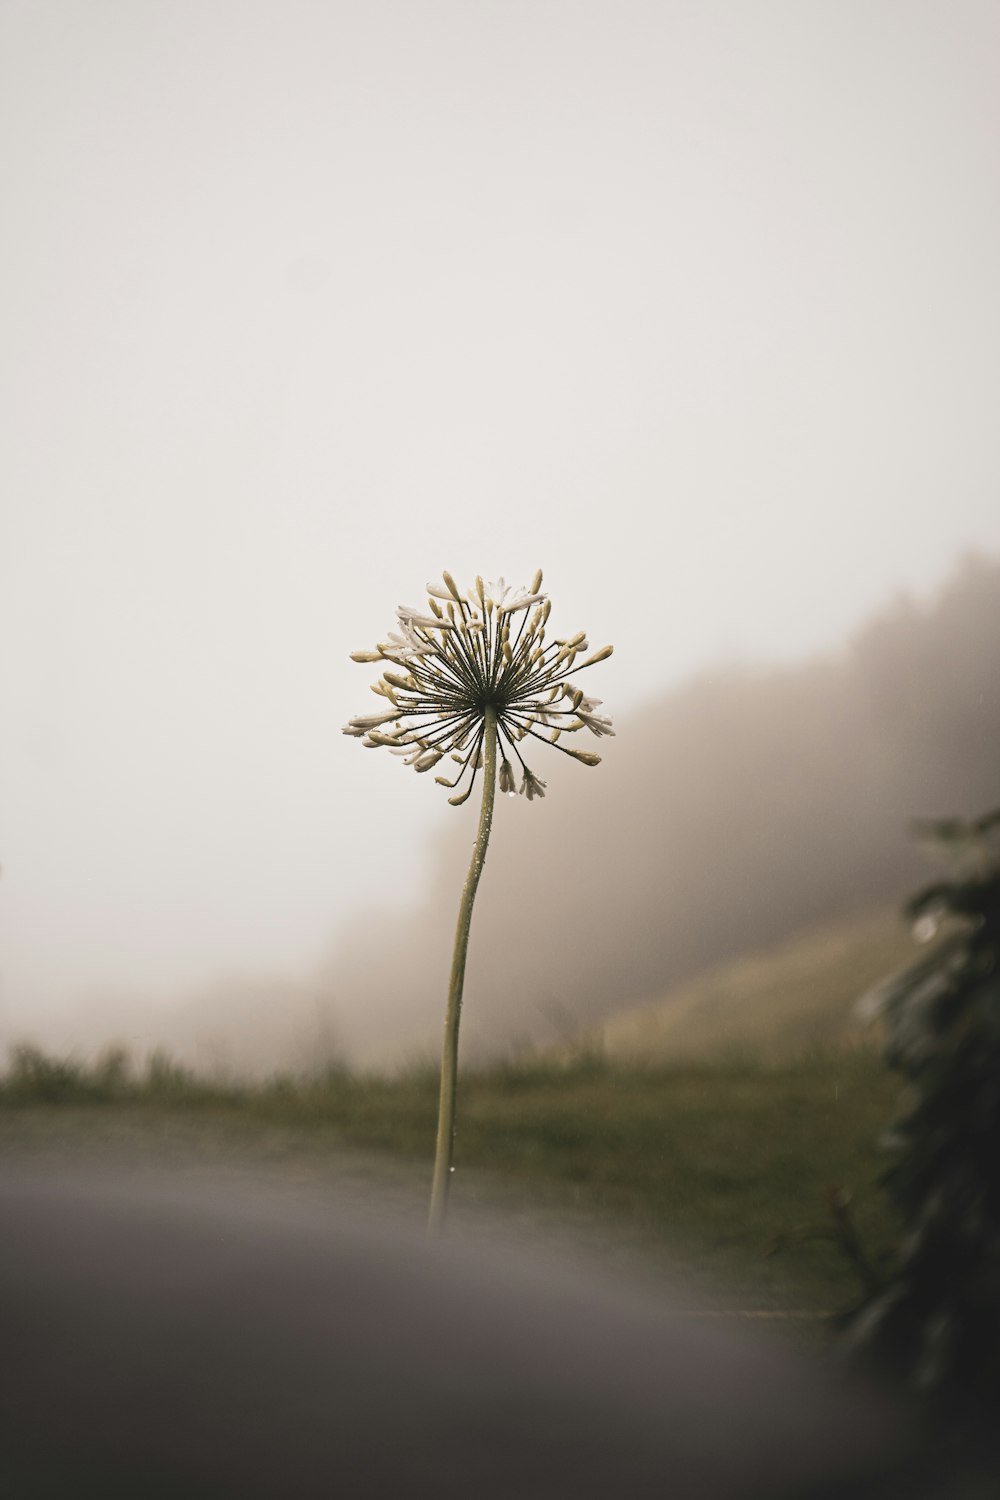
(695, 305)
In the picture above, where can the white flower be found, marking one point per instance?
(484, 650)
(531, 786)
(402, 646)
(497, 592)
(417, 621)
(521, 600)
(598, 724)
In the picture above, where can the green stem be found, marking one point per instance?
(449, 1054)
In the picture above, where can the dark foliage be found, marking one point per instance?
(935, 1321)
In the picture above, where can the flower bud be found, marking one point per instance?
(601, 655)
(586, 756)
(429, 759)
(450, 586)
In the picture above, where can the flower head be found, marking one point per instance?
(470, 653)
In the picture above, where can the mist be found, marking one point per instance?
(736, 810)
(733, 811)
(698, 311)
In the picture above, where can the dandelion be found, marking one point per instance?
(471, 676)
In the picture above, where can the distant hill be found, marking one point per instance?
(791, 998)
(731, 814)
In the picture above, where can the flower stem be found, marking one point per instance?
(449, 1053)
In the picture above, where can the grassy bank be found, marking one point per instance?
(705, 1164)
(775, 1003)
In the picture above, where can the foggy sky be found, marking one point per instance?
(694, 306)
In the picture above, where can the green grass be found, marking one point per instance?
(699, 1166)
(712, 1161)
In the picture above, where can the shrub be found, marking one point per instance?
(934, 1321)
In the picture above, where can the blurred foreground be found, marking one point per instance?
(218, 1289)
(164, 1337)
(223, 1288)
(701, 1168)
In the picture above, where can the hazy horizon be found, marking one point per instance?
(698, 310)
(750, 805)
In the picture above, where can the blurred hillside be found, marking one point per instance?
(780, 1003)
(730, 814)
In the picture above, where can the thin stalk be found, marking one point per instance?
(449, 1054)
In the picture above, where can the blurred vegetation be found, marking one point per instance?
(935, 1319)
(706, 1164)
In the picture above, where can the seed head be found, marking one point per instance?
(484, 649)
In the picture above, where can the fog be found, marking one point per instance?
(697, 309)
(729, 813)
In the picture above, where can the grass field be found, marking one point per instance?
(695, 1168)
